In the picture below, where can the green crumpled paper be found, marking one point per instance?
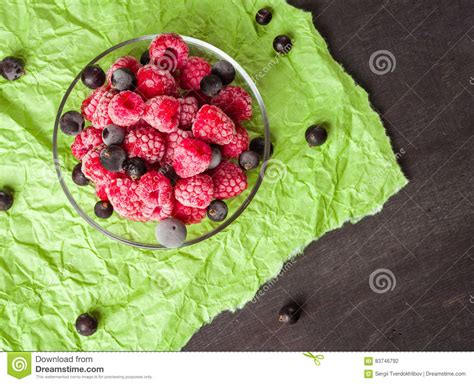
(53, 266)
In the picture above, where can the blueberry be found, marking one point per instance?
(103, 209)
(216, 157)
(168, 171)
(316, 135)
(249, 160)
(225, 71)
(211, 85)
(135, 167)
(282, 44)
(112, 158)
(78, 177)
(93, 77)
(71, 123)
(264, 16)
(86, 325)
(258, 145)
(290, 313)
(6, 200)
(123, 79)
(113, 134)
(217, 210)
(145, 57)
(171, 233)
(12, 68)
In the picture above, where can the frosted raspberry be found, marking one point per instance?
(188, 215)
(101, 117)
(124, 62)
(196, 191)
(192, 73)
(122, 193)
(235, 102)
(89, 105)
(199, 96)
(101, 190)
(88, 139)
(93, 169)
(162, 113)
(173, 139)
(126, 108)
(189, 108)
(191, 157)
(213, 125)
(145, 142)
(156, 192)
(239, 144)
(169, 51)
(229, 180)
(153, 81)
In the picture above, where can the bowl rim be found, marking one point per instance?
(249, 82)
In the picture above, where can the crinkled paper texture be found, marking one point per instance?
(53, 266)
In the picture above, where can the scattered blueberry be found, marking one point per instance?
(12, 68)
(282, 44)
(168, 171)
(135, 167)
(216, 157)
(171, 233)
(103, 209)
(113, 134)
(249, 160)
(217, 210)
(316, 135)
(71, 123)
(145, 57)
(123, 79)
(258, 145)
(289, 314)
(86, 325)
(112, 158)
(93, 77)
(6, 200)
(78, 177)
(264, 16)
(225, 71)
(211, 85)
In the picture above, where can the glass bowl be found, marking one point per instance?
(139, 234)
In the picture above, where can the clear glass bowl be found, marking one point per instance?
(139, 234)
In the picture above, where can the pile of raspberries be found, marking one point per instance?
(174, 127)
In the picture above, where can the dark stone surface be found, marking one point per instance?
(424, 234)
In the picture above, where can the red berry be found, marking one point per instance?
(128, 62)
(239, 144)
(169, 51)
(193, 72)
(88, 139)
(101, 117)
(153, 81)
(213, 125)
(173, 139)
(235, 102)
(189, 108)
(145, 142)
(126, 108)
(229, 180)
(122, 194)
(101, 190)
(156, 192)
(196, 191)
(191, 157)
(162, 113)
(93, 169)
(188, 215)
(199, 96)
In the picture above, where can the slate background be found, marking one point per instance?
(424, 235)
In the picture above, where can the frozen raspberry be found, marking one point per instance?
(156, 192)
(145, 142)
(196, 191)
(128, 62)
(88, 139)
(169, 51)
(101, 117)
(189, 108)
(191, 157)
(199, 96)
(90, 104)
(126, 108)
(188, 215)
(229, 180)
(173, 139)
(193, 72)
(239, 144)
(162, 113)
(93, 169)
(101, 190)
(122, 193)
(213, 125)
(235, 102)
(153, 81)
